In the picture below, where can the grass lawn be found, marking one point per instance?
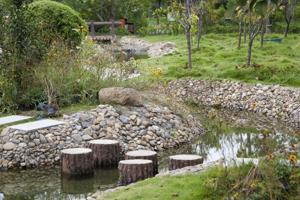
(219, 183)
(219, 58)
(170, 187)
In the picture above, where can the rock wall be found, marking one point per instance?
(148, 127)
(271, 100)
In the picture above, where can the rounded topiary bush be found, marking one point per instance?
(48, 21)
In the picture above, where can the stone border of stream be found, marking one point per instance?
(273, 101)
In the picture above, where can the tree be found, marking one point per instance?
(270, 8)
(158, 13)
(183, 16)
(255, 12)
(199, 8)
(288, 7)
(238, 10)
(255, 22)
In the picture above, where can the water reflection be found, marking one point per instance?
(233, 135)
(48, 184)
(228, 134)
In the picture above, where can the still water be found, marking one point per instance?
(230, 135)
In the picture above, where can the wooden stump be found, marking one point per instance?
(106, 153)
(131, 171)
(77, 161)
(184, 160)
(144, 155)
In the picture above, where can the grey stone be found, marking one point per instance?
(31, 126)
(120, 95)
(31, 144)
(86, 137)
(43, 139)
(22, 145)
(9, 146)
(37, 141)
(12, 119)
(77, 137)
(5, 139)
(124, 119)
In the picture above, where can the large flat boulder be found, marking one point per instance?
(12, 119)
(120, 95)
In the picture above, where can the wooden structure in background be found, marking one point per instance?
(111, 37)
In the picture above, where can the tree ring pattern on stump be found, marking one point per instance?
(106, 153)
(134, 170)
(76, 151)
(103, 141)
(77, 161)
(145, 155)
(184, 160)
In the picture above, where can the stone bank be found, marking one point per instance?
(149, 127)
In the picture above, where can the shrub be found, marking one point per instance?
(48, 20)
(67, 76)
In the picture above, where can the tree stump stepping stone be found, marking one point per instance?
(106, 153)
(184, 160)
(146, 155)
(12, 119)
(77, 161)
(131, 171)
(37, 125)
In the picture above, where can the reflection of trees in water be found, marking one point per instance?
(27, 184)
(239, 134)
(232, 135)
(48, 184)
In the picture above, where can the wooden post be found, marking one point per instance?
(184, 160)
(146, 155)
(106, 153)
(131, 171)
(77, 161)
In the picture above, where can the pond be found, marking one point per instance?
(229, 134)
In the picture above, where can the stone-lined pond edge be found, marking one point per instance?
(150, 127)
(274, 101)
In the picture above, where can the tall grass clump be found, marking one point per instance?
(67, 76)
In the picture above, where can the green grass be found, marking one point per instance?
(169, 188)
(219, 183)
(76, 108)
(219, 58)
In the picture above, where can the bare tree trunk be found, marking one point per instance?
(262, 33)
(268, 30)
(249, 55)
(254, 29)
(288, 22)
(240, 35)
(288, 15)
(189, 46)
(245, 31)
(188, 32)
(199, 29)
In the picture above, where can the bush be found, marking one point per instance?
(67, 76)
(48, 21)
